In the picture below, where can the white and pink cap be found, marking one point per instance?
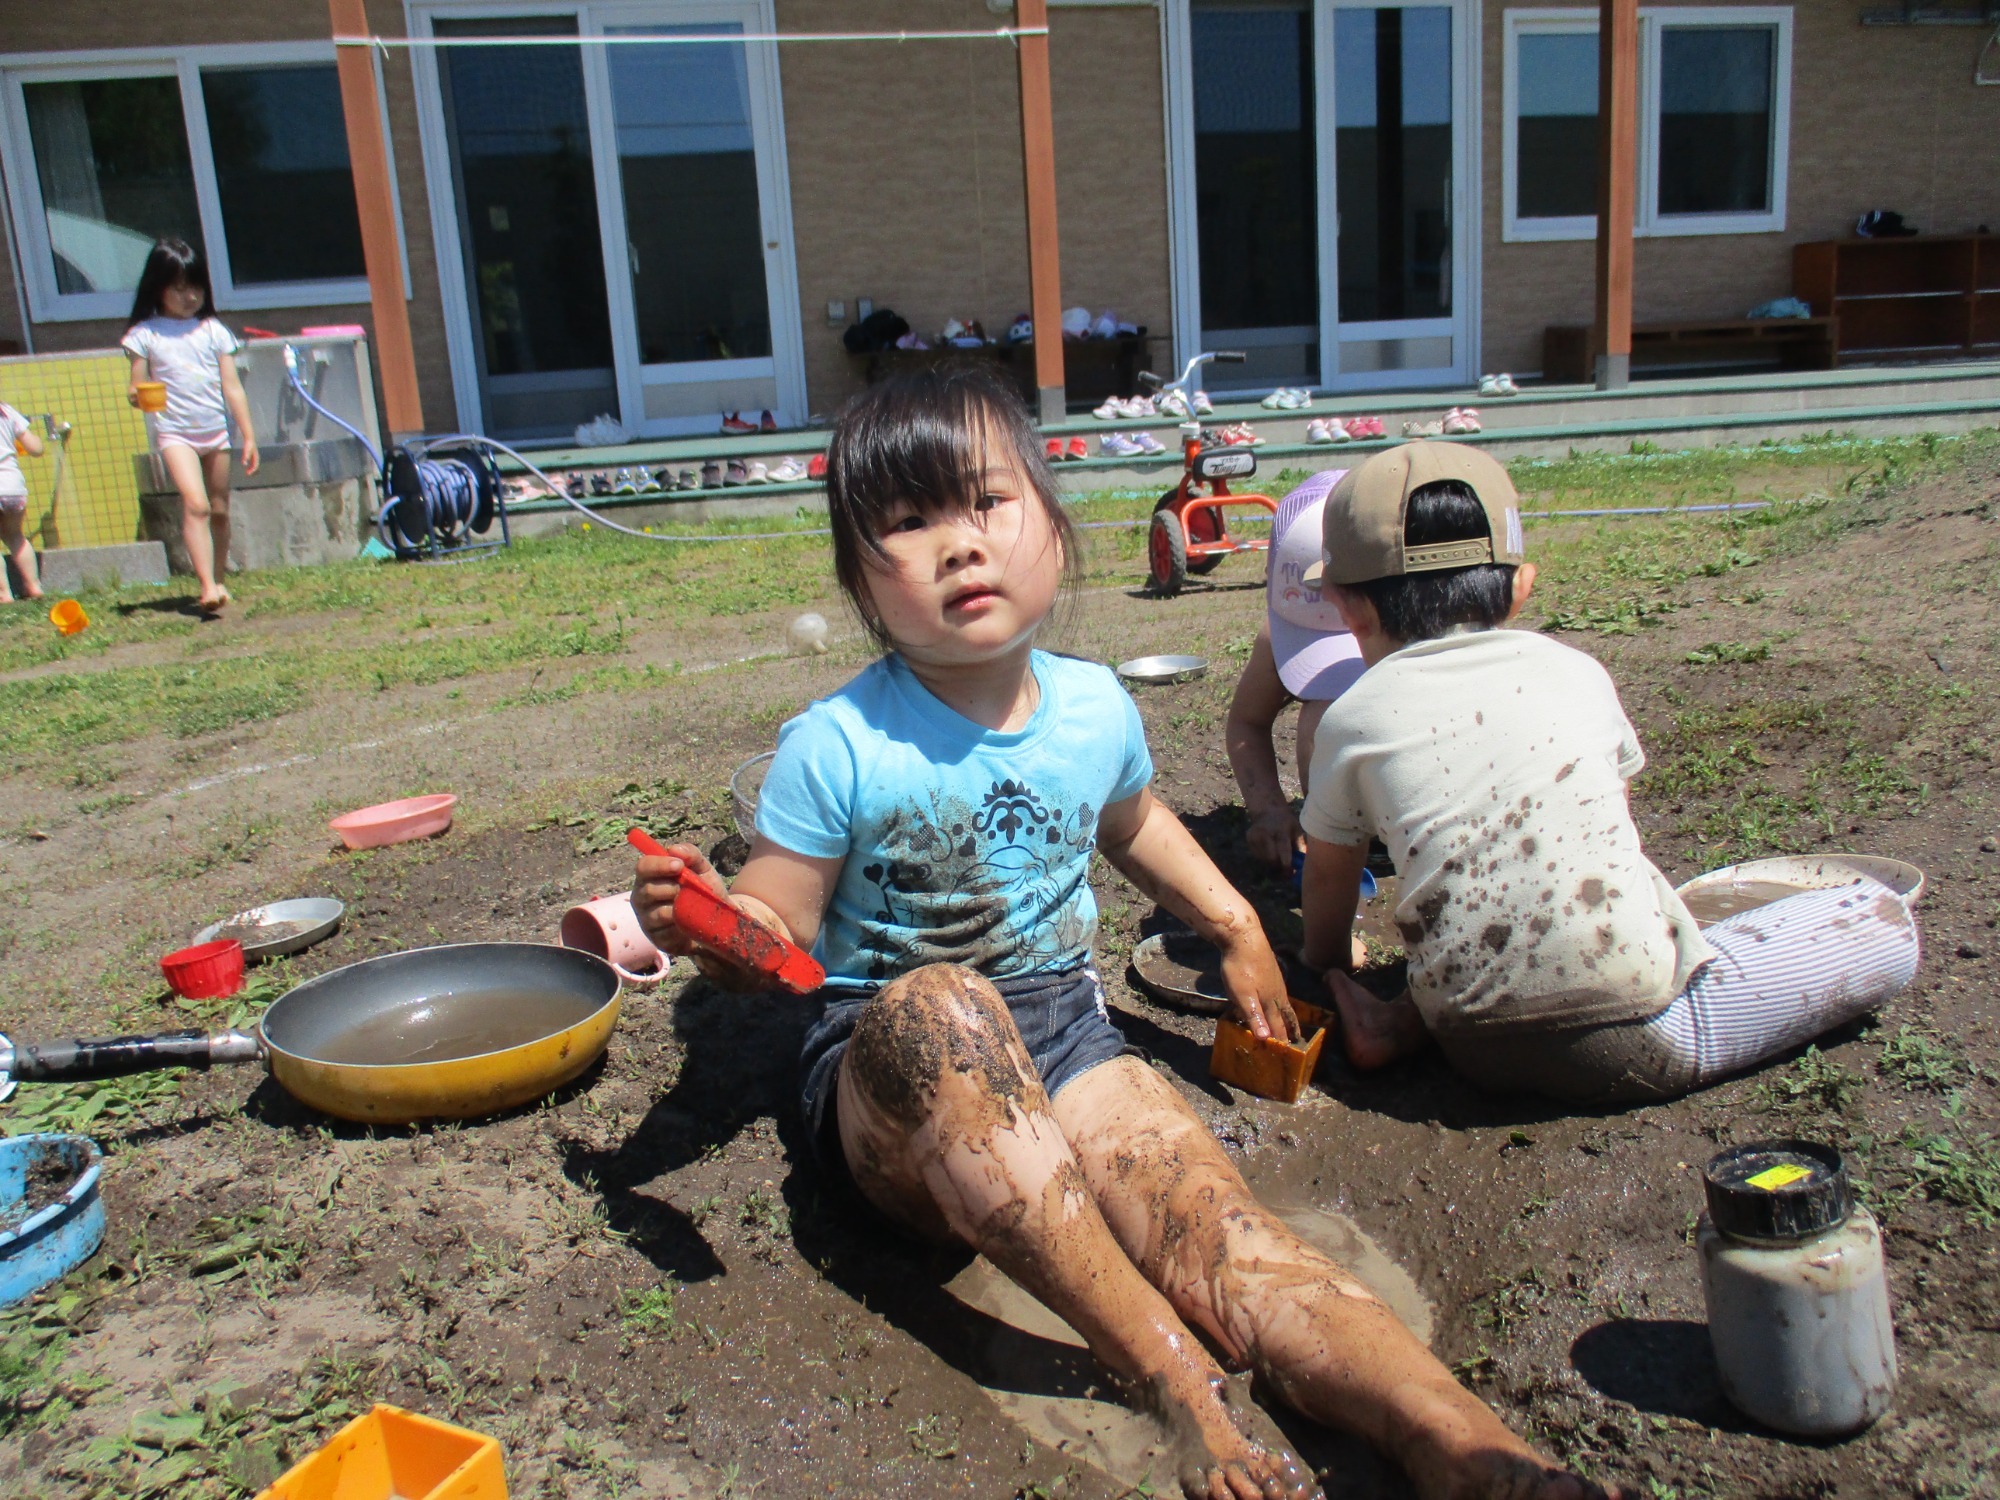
(1316, 655)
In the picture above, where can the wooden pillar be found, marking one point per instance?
(1038, 154)
(1617, 186)
(368, 156)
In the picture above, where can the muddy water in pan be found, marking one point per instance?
(1716, 902)
(440, 1028)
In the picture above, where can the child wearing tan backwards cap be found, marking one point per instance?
(1545, 951)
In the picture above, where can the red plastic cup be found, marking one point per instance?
(207, 971)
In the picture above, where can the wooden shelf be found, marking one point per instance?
(1921, 295)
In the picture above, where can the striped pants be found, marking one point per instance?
(1783, 974)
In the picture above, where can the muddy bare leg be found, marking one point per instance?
(946, 1127)
(1232, 1268)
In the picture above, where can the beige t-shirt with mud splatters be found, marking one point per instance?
(1493, 764)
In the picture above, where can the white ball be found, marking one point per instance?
(807, 634)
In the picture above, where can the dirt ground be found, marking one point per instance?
(644, 1286)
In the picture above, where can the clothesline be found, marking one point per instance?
(627, 39)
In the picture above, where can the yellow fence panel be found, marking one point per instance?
(84, 492)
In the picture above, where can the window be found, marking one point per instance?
(241, 151)
(1714, 121)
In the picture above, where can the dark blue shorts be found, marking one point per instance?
(1062, 1018)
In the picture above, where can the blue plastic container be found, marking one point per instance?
(1299, 876)
(57, 1236)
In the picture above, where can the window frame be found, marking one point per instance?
(1648, 222)
(48, 304)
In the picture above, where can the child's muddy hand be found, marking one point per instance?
(1273, 837)
(1256, 986)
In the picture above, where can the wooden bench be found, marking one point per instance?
(1792, 343)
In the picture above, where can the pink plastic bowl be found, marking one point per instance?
(395, 822)
(207, 971)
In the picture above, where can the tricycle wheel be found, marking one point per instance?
(1166, 554)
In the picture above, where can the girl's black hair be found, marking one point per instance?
(170, 261)
(921, 439)
(1423, 606)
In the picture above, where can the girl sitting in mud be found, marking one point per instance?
(928, 830)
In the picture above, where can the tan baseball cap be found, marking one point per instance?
(1362, 525)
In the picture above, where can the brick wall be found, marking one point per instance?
(907, 184)
(1882, 117)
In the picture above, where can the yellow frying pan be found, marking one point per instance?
(448, 1033)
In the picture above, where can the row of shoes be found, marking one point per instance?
(1130, 445)
(1344, 429)
(715, 474)
(736, 422)
(1457, 422)
(1288, 398)
(1498, 385)
(1145, 408)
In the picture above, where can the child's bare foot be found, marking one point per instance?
(1375, 1032)
(1460, 1450)
(1218, 1455)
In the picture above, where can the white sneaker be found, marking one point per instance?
(1275, 400)
(1316, 431)
(1173, 404)
(1489, 385)
(1203, 407)
(1112, 409)
(1141, 406)
(1505, 385)
(788, 471)
(1429, 429)
(1147, 444)
(1298, 398)
(1117, 445)
(1336, 431)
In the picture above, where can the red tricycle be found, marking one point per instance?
(1190, 534)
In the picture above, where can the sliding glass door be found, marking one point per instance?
(1330, 154)
(619, 217)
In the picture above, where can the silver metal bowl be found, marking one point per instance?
(280, 921)
(1158, 669)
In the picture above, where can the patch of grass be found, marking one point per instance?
(649, 1311)
(101, 1108)
(1924, 1060)
(1816, 1081)
(1729, 653)
(1964, 1172)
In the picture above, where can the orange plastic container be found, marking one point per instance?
(1273, 1068)
(152, 395)
(392, 1454)
(68, 617)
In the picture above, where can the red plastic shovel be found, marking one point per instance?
(714, 923)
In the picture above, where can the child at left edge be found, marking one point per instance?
(928, 828)
(174, 337)
(17, 436)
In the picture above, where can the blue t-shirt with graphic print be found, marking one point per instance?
(964, 845)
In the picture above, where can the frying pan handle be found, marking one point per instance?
(115, 1056)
